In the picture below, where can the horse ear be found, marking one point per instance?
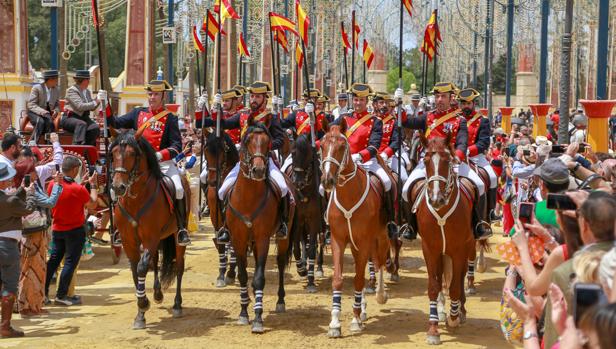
(343, 125)
(325, 125)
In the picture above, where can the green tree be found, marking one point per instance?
(408, 78)
(499, 75)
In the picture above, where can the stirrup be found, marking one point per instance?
(116, 239)
(407, 232)
(483, 230)
(183, 238)
(222, 235)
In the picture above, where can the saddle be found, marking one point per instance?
(169, 190)
(483, 174)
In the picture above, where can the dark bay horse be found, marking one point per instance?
(356, 216)
(444, 219)
(252, 218)
(145, 218)
(221, 156)
(305, 176)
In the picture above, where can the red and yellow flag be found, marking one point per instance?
(241, 47)
(281, 38)
(302, 22)
(197, 39)
(282, 23)
(356, 32)
(212, 26)
(345, 39)
(368, 54)
(432, 37)
(226, 10)
(408, 4)
(299, 55)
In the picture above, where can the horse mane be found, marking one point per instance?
(217, 148)
(255, 128)
(303, 149)
(143, 147)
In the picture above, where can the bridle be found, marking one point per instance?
(342, 178)
(450, 181)
(133, 174)
(247, 168)
(223, 165)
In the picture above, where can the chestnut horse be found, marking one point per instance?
(252, 218)
(444, 219)
(221, 156)
(145, 217)
(355, 215)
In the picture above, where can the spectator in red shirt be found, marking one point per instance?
(69, 234)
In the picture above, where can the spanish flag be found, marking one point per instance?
(281, 38)
(282, 23)
(241, 47)
(408, 4)
(345, 38)
(368, 54)
(197, 39)
(356, 32)
(226, 11)
(302, 22)
(299, 55)
(432, 36)
(212, 26)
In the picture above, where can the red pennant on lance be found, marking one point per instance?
(432, 37)
(368, 54)
(94, 13)
(356, 32)
(282, 23)
(345, 39)
(225, 11)
(408, 5)
(302, 22)
(281, 38)
(197, 39)
(241, 47)
(213, 27)
(299, 55)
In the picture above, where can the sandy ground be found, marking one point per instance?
(210, 314)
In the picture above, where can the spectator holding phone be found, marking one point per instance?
(12, 209)
(69, 234)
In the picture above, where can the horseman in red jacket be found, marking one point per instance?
(163, 134)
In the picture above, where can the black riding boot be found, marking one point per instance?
(392, 227)
(481, 229)
(180, 213)
(491, 205)
(283, 230)
(411, 232)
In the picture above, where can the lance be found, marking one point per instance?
(219, 114)
(424, 69)
(346, 72)
(435, 46)
(204, 111)
(353, 47)
(400, 139)
(104, 112)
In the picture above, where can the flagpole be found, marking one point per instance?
(364, 72)
(204, 111)
(198, 72)
(400, 139)
(435, 45)
(346, 72)
(273, 56)
(353, 45)
(424, 69)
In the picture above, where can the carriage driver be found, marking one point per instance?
(259, 93)
(438, 123)
(162, 131)
(364, 134)
(478, 143)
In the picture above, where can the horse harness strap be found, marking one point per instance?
(149, 122)
(356, 125)
(443, 119)
(134, 221)
(248, 220)
(442, 220)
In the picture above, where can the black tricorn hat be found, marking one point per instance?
(158, 86)
(468, 95)
(259, 87)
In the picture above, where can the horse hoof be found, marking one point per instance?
(243, 320)
(442, 317)
(229, 280)
(319, 274)
(356, 327)
(257, 327)
(394, 278)
(482, 267)
(471, 291)
(311, 289)
(369, 290)
(453, 323)
(334, 333)
(177, 313)
(381, 298)
(363, 316)
(281, 308)
(433, 340)
(139, 325)
(158, 296)
(220, 283)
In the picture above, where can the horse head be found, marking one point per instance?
(336, 156)
(303, 162)
(220, 154)
(439, 161)
(255, 149)
(131, 157)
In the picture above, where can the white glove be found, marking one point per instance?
(202, 101)
(280, 103)
(399, 94)
(217, 99)
(274, 100)
(423, 102)
(309, 108)
(384, 157)
(159, 156)
(357, 158)
(102, 95)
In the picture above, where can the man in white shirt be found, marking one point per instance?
(11, 147)
(342, 107)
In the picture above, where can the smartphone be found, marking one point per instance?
(557, 148)
(525, 214)
(560, 202)
(582, 148)
(91, 170)
(585, 297)
(57, 167)
(526, 152)
(27, 180)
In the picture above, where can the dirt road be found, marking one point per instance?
(210, 314)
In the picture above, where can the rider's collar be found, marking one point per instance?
(440, 113)
(156, 111)
(360, 114)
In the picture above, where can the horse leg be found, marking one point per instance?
(456, 290)
(230, 278)
(298, 253)
(482, 264)
(358, 283)
(337, 257)
(258, 284)
(319, 272)
(143, 303)
(242, 276)
(179, 265)
(312, 251)
(281, 261)
(470, 276)
(395, 276)
(434, 266)
(158, 293)
(222, 264)
(370, 288)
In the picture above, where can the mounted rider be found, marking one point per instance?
(384, 106)
(441, 122)
(160, 128)
(479, 133)
(364, 134)
(259, 94)
(300, 121)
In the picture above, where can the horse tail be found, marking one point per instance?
(167, 264)
(294, 236)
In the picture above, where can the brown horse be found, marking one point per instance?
(221, 156)
(355, 216)
(145, 218)
(444, 218)
(252, 218)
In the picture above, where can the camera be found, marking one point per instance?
(27, 180)
(586, 296)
